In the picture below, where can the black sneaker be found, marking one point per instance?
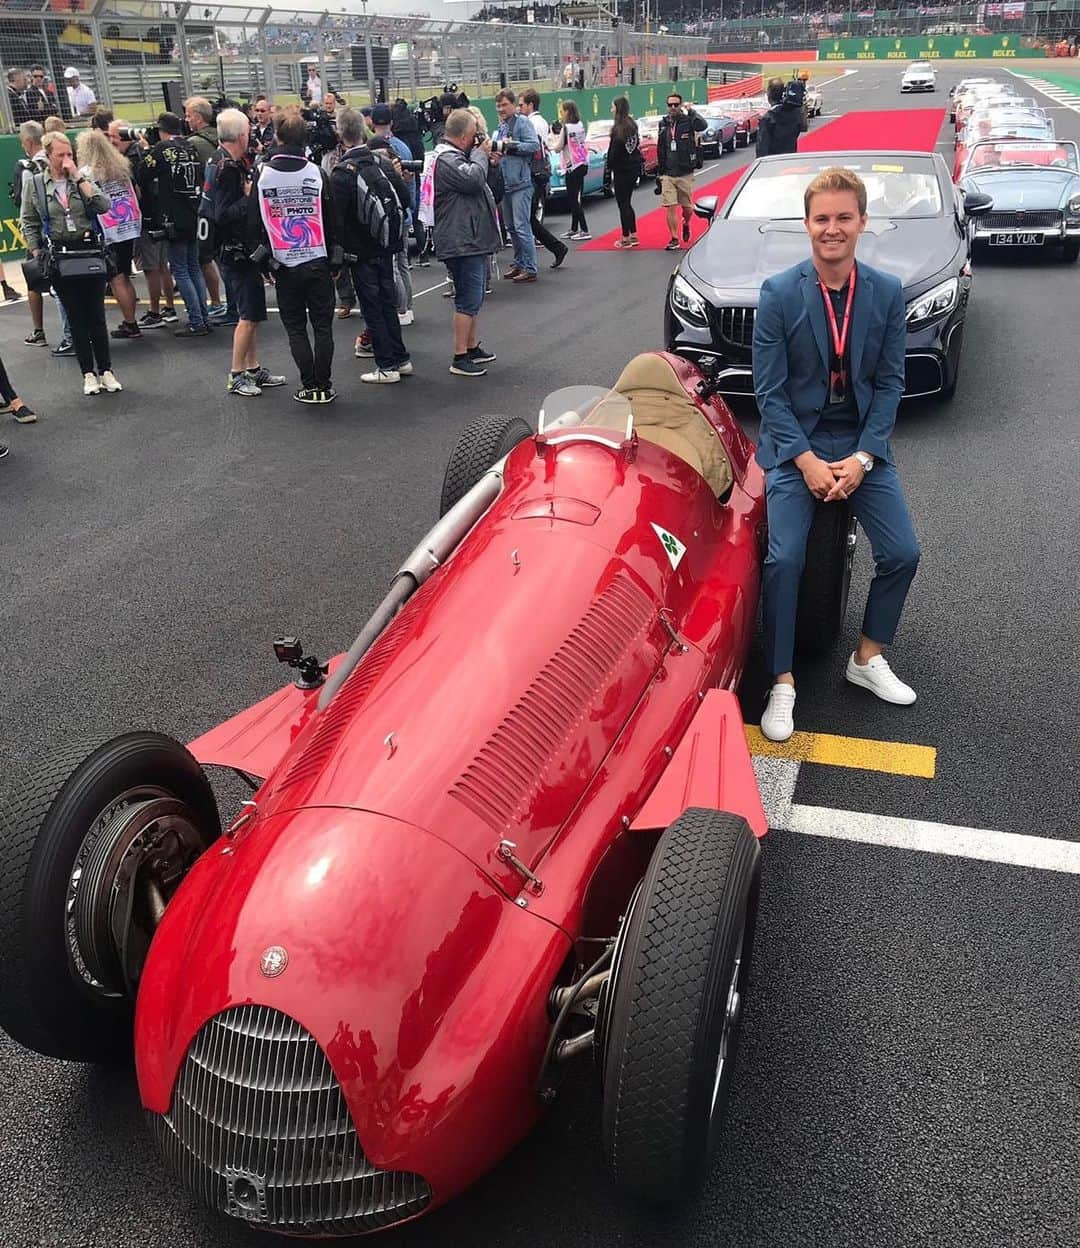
(462, 366)
(125, 330)
(481, 355)
(192, 331)
(36, 339)
(64, 347)
(151, 320)
(686, 231)
(168, 316)
(673, 245)
(308, 396)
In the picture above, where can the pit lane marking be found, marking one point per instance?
(777, 778)
(897, 758)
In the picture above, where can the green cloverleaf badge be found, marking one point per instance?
(673, 548)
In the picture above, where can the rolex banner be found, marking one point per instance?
(927, 48)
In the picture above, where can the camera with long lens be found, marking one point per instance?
(136, 134)
(321, 133)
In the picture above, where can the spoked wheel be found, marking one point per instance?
(668, 1024)
(93, 846)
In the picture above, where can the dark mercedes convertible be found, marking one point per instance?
(918, 229)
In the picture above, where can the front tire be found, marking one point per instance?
(1070, 250)
(67, 842)
(826, 579)
(676, 1004)
(483, 442)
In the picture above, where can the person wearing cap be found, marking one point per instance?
(80, 97)
(381, 123)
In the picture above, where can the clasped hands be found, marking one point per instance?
(830, 482)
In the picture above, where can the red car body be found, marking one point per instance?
(647, 147)
(561, 681)
(748, 114)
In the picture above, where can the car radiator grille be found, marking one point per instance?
(736, 325)
(259, 1130)
(1019, 220)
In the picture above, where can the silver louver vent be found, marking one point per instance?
(259, 1129)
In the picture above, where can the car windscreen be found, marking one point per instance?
(1003, 154)
(599, 129)
(895, 187)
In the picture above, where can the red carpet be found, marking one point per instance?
(908, 130)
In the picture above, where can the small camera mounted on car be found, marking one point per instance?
(312, 672)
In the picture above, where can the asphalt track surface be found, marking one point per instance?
(908, 1073)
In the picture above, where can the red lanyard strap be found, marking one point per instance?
(839, 335)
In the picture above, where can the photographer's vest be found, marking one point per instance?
(290, 204)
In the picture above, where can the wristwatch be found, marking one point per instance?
(867, 461)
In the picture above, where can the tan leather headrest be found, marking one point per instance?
(649, 371)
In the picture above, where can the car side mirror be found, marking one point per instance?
(705, 207)
(976, 204)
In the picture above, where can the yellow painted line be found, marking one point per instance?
(897, 758)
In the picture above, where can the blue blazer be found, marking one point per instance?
(791, 360)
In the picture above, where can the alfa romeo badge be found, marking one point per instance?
(273, 961)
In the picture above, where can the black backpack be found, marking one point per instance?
(378, 209)
(23, 166)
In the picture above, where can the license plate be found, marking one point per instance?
(1014, 238)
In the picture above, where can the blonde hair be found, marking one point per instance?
(98, 155)
(51, 139)
(836, 178)
(481, 121)
(54, 125)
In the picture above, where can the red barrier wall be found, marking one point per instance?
(764, 58)
(733, 90)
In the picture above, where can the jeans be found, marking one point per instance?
(84, 299)
(373, 281)
(403, 281)
(575, 184)
(469, 275)
(187, 273)
(305, 293)
(623, 182)
(540, 231)
(878, 504)
(517, 211)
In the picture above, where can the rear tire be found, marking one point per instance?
(54, 826)
(826, 579)
(483, 442)
(676, 1004)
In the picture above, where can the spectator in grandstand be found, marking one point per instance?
(32, 161)
(81, 98)
(677, 152)
(230, 208)
(150, 253)
(16, 85)
(120, 225)
(372, 200)
(778, 132)
(262, 129)
(40, 95)
(466, 233)
(289, 186)
(569, 75)
(312, 91)
(172, 172)
(199, 115)
(574, 158)
(63, 205)
(512, 149)
(541, 176)
(625, 163)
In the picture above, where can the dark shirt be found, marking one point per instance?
(39, 104)
(625, 154)
(20, 110)
(356, 239)
(230, 207)
(172, 172)
(676, 150)
(778, 131)
(843, 412)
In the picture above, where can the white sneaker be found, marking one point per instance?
(381, 376)
(111, 382)
(880, 679)
(406, 318)
(778, 721)
(406, 369)
(90, 384)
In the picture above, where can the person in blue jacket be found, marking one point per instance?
(514, 145)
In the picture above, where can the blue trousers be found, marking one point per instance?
(517, 212)
(881, 511)
(188, 276)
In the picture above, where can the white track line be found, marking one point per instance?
(1061, 97)
(776, 781)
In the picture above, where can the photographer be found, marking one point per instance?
(121, 225)
(372, 200)
(230, 210)
(409, 170)
(199, 115)
(407, 129)
(297, 223)
(149, 253)
(513, 148)
(779, 129)
(172, 171)
(677, 154)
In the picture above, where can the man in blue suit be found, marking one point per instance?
(829, 339)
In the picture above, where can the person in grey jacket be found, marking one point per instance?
(466, 233)
(72, 204)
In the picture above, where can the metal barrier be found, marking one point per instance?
(125, 50)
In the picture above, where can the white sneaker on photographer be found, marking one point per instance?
(778, 720)
(406, 318)
(880, 679)
(381, 376)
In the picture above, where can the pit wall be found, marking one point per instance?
(645, 98)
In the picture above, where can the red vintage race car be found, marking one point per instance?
(515, 825)
(598, 137)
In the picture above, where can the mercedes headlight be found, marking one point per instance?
(1074, 205)
(687, 302)
(934, 303)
